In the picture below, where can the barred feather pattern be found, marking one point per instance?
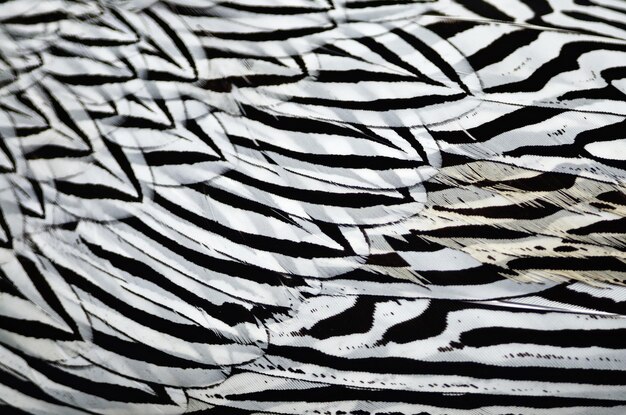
(346, 207)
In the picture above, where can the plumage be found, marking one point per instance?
(312, 206)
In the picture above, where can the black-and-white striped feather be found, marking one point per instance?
(312, 206)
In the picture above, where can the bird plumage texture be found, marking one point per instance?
(313, 207)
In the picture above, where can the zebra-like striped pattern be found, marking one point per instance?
(346, 207)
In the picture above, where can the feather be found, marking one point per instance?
(331, 207)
